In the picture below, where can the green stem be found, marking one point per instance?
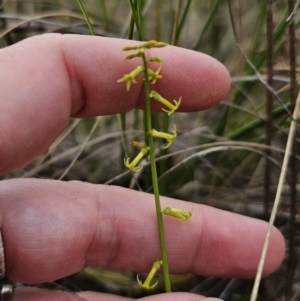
(135, 17)
(159, 218)
(131, 28)
(106, 18)
(182, 21)
(86, 17)
(207, 24)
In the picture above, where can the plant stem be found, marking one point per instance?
(155, 183)
(207, 25)
(86, 17)
(182, 21)
(135, 17)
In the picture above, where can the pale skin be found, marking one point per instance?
(52, 229)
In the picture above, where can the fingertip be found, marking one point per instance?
(221, 76)
(211, 79)
(200, 80)
(235, 243)
(206, 77)
(276, 252)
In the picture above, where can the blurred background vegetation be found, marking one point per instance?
(230, 155)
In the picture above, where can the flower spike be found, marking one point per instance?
(171, 107)
(168, 137)
(130, 77)
(133, 165)
(181, 215)
(156, 266)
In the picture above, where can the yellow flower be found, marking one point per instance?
(133, 165)
(168, 137)
(155, 59)
(127, 48)
(139, 53)
(130, 77)
(153, 44)
(171, 107)
(147, 45)
(181, 215)
(138, 144)
(154, 76)
(147, 284)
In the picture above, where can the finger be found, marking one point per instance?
(93, 296)
(174, 297)
(52, 229)
(37, 294)
(46, 79)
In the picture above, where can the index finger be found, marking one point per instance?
(52, 229)
(47, 79)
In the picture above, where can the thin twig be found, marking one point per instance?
(292, 15)
(82, 147)
(209, 151)
(246, 78)
(233, 144)
(286, 158)
(37, 17)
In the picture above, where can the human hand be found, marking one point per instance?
(52, 229)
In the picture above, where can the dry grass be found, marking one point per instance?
(225, 161)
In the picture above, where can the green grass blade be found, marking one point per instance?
(182, 20)
(207, 24)
(104, 10)
(86, 17)
(250, 126)
(134, 11)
